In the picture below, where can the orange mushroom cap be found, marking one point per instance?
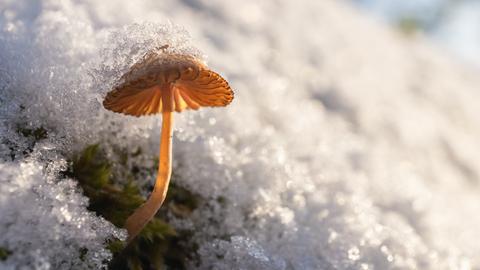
(191, 83)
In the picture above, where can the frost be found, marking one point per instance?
(346, 147)
(242, 252)
(45, 224)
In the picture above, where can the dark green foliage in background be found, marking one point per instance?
(408, 25)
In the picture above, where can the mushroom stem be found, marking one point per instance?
(147, 211)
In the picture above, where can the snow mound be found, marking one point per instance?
(45, 223)
(347, 146)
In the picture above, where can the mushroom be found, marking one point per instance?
(164, 83)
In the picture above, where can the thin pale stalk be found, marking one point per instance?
(139, 219)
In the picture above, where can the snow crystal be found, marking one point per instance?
(346, 147)
(244, 253)
(45, 224)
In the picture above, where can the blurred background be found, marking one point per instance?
(453, 24)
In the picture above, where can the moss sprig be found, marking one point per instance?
(159, 245)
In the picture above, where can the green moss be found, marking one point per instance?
(159, 244)
(83, 251)
(4, 253)
(37, 134)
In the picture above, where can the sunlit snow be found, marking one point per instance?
(347, 146)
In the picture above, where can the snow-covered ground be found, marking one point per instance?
(452, 24)
(348, 146)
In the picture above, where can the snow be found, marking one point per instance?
(453, 25)
(347, 146)
(45, 223)
(462, 24)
